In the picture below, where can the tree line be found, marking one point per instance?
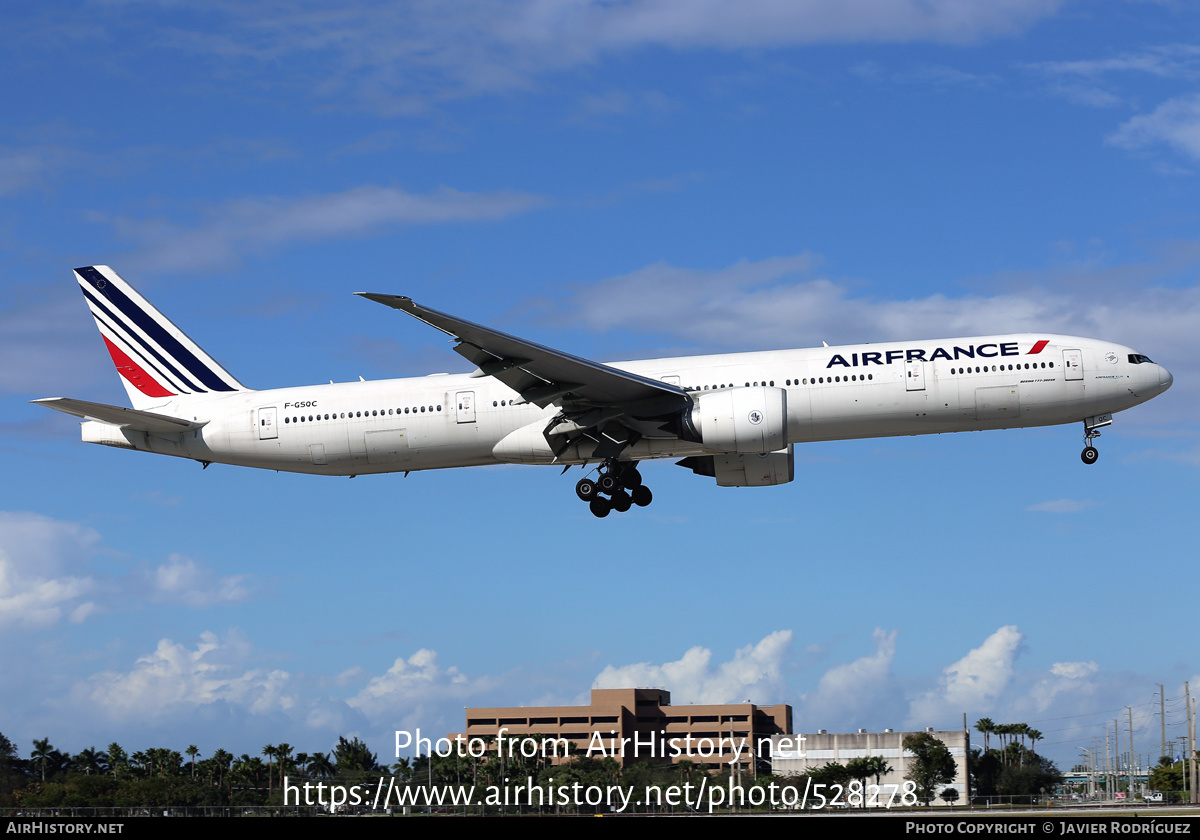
(1011, 768)
(160, 776)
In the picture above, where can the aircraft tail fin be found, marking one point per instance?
(154, 357)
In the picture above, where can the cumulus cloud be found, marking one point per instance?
(1176, 123)
(1073, 678)
(973, 682)
(755, 673)
(45, 572)
(176, 679)
(418, 691)
(253, 224)
(225, 678)
(182, 579)
(849, 692)
(48, 575)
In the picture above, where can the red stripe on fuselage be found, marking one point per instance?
(133, 372)
(1038, 348)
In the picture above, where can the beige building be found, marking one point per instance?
(636, 724)
(797, 754)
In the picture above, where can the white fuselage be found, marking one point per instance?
(832, 393)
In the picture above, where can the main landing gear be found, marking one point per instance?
(618, 487)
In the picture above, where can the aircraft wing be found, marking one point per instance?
(613, 408)
(545, 376)
(130, 418)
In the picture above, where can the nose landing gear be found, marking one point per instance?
(1091, 428)
(618, 487)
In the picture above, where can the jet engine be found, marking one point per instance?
(737, 420)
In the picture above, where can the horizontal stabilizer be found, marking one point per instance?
(130, 418)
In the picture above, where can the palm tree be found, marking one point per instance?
(222, 760)
(42, 754)
(269, 752)
(89, 761)
(1021, 729)
(986, 727)
(879, 767)
(1004, 731)
(860, 769)
(1034, 737)
(193, 751)
(116, 757)
(320, 765)
(283, 754)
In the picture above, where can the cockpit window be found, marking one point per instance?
(1139, 359)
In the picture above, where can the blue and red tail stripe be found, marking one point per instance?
(155, 359)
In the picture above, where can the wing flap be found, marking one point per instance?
(130, 418)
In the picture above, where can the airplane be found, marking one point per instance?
(732, 417)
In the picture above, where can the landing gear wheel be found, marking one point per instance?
(608, 483)
(586, 489)
(1090, 455)
(621, 501)
(600, 507)
(641, 495)
(631, 478)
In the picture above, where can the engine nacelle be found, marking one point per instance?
(739, 420)
(745, 470)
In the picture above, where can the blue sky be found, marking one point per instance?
(618, 180)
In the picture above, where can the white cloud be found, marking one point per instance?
(1084, 81)
(973, 682)
(419, 692)
(253, 224)
(45, 571)
(177, 680)
(1167, 61)
(1065, 678)
(184, 580)
(847, 694)
(48, 574)
(778, 300)
(402, 58)
(1062, 506)
(755, 673)
(1176, 123)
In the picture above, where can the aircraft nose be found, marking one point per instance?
(1165, 379)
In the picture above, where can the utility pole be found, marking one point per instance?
(1162, 717)
(1191, 743)
(1116, 754)
(1108, 788)
(1130, 789)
